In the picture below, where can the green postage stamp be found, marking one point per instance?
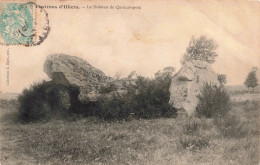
(16, 24)
(22, 24)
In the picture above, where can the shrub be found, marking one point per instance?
(152, 98)
(45, 99)
(230, 126)
(112, 108)
(145, 99)
(213, 101)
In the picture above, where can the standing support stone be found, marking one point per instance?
(187, 83)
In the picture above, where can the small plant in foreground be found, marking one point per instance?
(191, 136)
(250, 105)
(194, 142)
(230, 126)
(191, 127)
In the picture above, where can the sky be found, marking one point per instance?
(145, 40)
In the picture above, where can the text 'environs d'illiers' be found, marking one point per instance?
(88, 7)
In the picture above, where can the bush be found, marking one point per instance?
(151, 99)
(213, 101)
(112, 108)
(44, 100)
(145, 99)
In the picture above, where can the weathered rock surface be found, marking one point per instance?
(64, 99)
(91, 82)
(187, 83)
(71, 70)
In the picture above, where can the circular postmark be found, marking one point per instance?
(23, 24)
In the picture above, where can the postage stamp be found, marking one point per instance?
(23, 24)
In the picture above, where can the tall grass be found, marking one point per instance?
(247, 105)
(89, 140)
(7, 104)
(230, 126)
(192, 136)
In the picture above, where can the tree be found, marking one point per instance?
(251, 80)
(202, 49)
(132, 75)
(222, 78)
(117, 76)
(254, 69)
(167, 72)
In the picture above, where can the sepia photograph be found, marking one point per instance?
(129, 82)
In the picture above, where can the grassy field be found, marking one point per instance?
(181, 140)
(241, 89)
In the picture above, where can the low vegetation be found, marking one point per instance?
(230, 126)
(215, 103)
(192, 136)
(43, 101)
(146, 98)
(246, 105)
(183, 140)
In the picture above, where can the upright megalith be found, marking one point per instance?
(187, 83)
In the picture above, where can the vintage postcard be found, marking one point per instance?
(130, 82)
